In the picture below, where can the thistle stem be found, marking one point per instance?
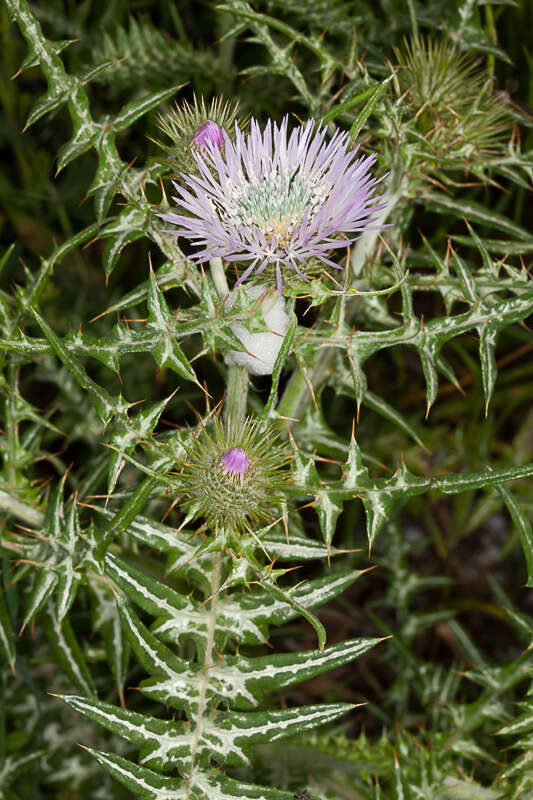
(208, 663)
(236, 395)
(219, 277)
(237, 377)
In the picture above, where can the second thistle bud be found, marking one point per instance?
(194, 128)
(233, 476)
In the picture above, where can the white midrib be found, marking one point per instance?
(211, 625)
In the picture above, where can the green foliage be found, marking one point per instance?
(194, 657)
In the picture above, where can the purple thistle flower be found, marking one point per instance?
(210, 134)
(236, 461)
(270, 198)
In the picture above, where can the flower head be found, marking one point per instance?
(270, 198)
(232, 475)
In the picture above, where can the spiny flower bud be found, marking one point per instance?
(457, 120)
(233, 475)
(195, 128)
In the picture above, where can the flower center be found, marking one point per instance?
(236, 461)
(276, 203)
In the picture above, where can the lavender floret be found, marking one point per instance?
(236, 461)
(209, 135)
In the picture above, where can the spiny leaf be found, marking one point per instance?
(167, 353)
(224, 735)
(523, 526)
(136, 108)
(127, 434)
(105, 405)
(487, 358)
(243, 617)
(178, 549)
(60, 94)
(279, 364)
(148, 785)
(106, 620)
(236, 681)
(476, 212)
(45, 582)
(346, 105)
(328, 510)
(369, 107)
(287, 596)
(68, 652)
(130, 225)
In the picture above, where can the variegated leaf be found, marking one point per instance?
(68, 652)
(148, 785)
(243, 617)
(224, 735)
(236, 681)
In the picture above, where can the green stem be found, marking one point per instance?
(237, 377)
(226, 47)
(236, 395)
(13, 445)
(297, 395)
(208, 664)
(414, 21)
(493, 36)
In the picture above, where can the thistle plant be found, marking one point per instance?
(219, 410)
